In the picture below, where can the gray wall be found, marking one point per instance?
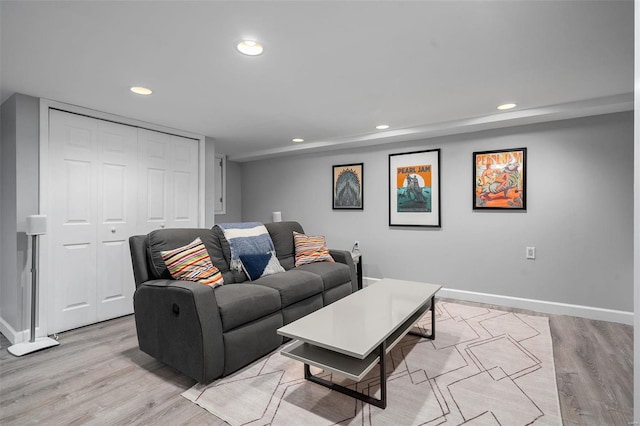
(636, 230)
(8, 287)
(233, 203)
(19, 195)
(579, 216)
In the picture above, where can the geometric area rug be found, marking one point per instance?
(485, 367)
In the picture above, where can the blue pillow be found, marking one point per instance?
(260, 265)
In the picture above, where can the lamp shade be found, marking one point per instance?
(276, 216)
(36, 224)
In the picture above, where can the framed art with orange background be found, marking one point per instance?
(499, 179)
(414, 188)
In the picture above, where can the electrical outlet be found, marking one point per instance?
(531, 252)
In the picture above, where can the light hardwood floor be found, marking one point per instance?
(99, 376)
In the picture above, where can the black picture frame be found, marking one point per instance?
(414, 189)
(500, 180)
(348, 186)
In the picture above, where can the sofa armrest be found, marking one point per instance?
(344, 256)
(179, 324)
(137, 248)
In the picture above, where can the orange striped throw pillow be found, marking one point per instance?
(192, 263)
(310, 249)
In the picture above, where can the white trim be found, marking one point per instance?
(15, 336)
(201, 181)
(544, 306)
(547, 307)
(223, 177)
(117, 118)
(44, 246)
(44, 292)
(8, 332)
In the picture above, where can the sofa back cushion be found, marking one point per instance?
(225, 252)
(282, 237)
(168, 239)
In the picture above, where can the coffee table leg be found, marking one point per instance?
(383, 376)
(432, 335)
(380, 403)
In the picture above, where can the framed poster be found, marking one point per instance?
(414, 188)
(499, 179)
(348, 187)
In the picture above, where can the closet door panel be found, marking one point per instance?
(72, 219)
(185, 182)
(181, 188)
(168, 171)
(154, 149)
(156, 189)
(117, 217)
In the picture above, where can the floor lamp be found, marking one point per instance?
(36, 225)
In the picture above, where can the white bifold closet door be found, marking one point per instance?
(97, 200)
(117, 217)
(168, 176)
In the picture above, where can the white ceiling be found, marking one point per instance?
(331, 70)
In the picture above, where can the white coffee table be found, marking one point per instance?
(352, 335)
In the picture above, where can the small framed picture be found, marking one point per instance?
(348, 185)
(500, 179)
(414, 188)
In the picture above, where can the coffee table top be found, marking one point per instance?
(357, 324)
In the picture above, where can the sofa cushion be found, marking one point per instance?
(260, 265)
(336, 293)
(294, 285)
(310, 249)
(246, 238)
(332, 274)
(224, 244)
(242, 303)
(282, 237)
(225, 253)
(192, 263)
(167, 239)
(249, 342)
(302, 308)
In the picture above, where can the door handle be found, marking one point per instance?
(113, 230)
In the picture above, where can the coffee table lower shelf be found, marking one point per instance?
(355, 368)
(334, 362)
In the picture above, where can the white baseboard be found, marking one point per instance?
(590, 312)
(15, 336)
(8, 332)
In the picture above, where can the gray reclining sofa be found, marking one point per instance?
(208, 332)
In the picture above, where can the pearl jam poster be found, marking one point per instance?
(414, 188)
(499, 179)
(348, 186)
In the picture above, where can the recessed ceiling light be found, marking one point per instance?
(297, 140)
(506, 106)
(382, 126)
(141, 90)
(250, 47)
